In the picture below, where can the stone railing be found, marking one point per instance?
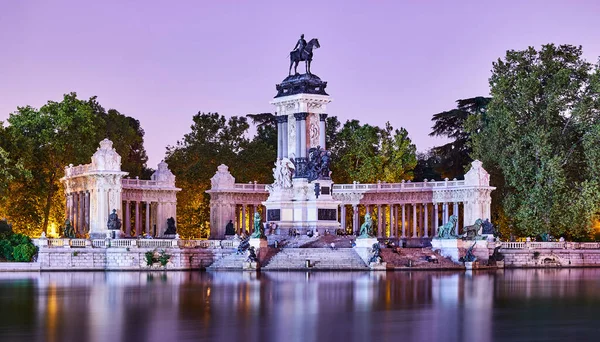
(551, 245)
(72, 171)
(134, 243)
(389, 187)
(250, 186)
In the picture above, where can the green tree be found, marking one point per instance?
(539, 141)
(213, 140)
(455, 155)
(366, 153)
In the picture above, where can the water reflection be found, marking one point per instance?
(296, 306)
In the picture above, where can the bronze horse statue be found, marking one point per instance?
(305, 55)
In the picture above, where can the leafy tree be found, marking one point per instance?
(454, 156)
(366, 153)
(213, 140)
(427, 166)
(539, 141)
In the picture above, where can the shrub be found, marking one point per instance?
(6, 250)
(149, 258)
(24, 252)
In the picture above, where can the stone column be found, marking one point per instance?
(354, 218)
(392, 220)
(303, 136)
(148, 217)
(436, 221)
(426, 220)
(445, 218)
(455, 212)
(138, 226)
(322, 130)
(80, 216)
(285, 136)
(279, 137)
(343, 216)
(299, 133)
(403, 222)
(379, 221)
(414, 210)
(243, 218)
(86, 212)
(127, 219)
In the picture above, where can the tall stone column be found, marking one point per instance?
(455, 212)
(379, 221)
(148, 217)
(285, 136)
(436, 221)
(403, 222)
(301, 160)
(279, 137)
(127, 219)
(86, 212)
(392, 220)
(244, 218)
(426, 220)
(322, 130)
(80, 213)
(445, 208)
(414, 210)
(138, 224)
(343, 216)
(355, 219)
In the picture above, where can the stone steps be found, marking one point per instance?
(320, 258)
(229, 262)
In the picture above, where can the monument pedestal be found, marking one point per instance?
(364, 247)
(455, 248)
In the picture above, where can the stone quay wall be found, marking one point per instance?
(550, 254)
(127, 254)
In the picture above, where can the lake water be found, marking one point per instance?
(515, 305)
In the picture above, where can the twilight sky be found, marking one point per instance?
(163, 61)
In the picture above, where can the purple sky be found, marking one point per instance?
(163, 61)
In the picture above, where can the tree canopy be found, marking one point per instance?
(540, 139)
(41, 142)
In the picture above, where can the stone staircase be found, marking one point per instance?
(320, 259)
(230, 262)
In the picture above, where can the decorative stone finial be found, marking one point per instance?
(163, 174)
(222, 178)
(106, 158)
(477, 175)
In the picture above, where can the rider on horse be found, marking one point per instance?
(300, 45)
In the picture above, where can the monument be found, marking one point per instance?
(300, 197)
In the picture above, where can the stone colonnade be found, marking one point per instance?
(93, 190)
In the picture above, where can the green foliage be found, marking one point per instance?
(5, 227)
(163, 258)
(539, 142)
(454, 156)
(16, 247)
(38, 143)
(24, 252)
(149, 256)
(366, 153)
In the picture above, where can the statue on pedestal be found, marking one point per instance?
(303, 52)
(366, 230)
(375, 254)
(448, 231)
(258, 230)
(171, 230)
(113, 221)
(68, 230)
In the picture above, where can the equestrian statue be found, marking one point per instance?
(303, 52)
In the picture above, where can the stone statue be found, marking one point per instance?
(472, 232)
(375, 254)
(251, 255)
(366, 230)
(448, 231)
(68, 230)
(113, 221)
(229, 228)
(286, 170)
(469, 257)
(488, 227)
(171, 230)
(303, 52)
(258, 229)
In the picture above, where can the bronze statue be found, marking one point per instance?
(303, 52)
(171, 229)
(68, 230)
(258, 230)
(113, 221)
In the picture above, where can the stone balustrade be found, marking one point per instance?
(134, 243)
(550, 245)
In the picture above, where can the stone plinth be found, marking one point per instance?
(378, 266)
(455, 248)
(258, 243)
(364, 247)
